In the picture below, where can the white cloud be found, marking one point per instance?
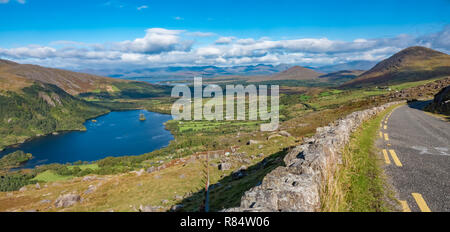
(156, 40)
(164, 47)
(178, 18)
(7, 1)
(225, 40)
(142, 7)
(200, 34)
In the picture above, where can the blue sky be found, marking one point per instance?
(161, 33)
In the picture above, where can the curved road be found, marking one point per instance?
(416, 150)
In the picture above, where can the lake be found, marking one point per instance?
(115, 134)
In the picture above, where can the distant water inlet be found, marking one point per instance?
(115, 134)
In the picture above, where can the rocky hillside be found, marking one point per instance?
(424, 91)
(441, 102)
(410, 64)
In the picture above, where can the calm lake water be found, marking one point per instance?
(115, 134)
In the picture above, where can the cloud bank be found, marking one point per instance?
(163, 47)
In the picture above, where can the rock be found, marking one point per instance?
(139, 173)
(37, 186)
(164, 201)
(176, 208)
(67, 200)
(250, 142)
(45, 202)
(273, 136)
(182, 176)
(224, 166)
(238, 174)
(90, 189)
(285, 134)
(149, 208)
(151, 169)
(89, 178)
(260, 146)
(23, 189)
(178, 197)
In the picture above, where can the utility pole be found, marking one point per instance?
(205, 206)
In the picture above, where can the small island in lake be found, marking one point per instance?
(142, 117)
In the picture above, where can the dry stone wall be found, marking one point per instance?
(295, 187)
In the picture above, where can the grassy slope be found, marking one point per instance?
(39, 110)
(359, 184)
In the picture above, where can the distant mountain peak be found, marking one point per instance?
(297, 73)
(410, 64)
(403, 58)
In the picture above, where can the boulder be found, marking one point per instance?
(250, 142)
(151, 169)
(67, 200)
(239, 173)
(273, 136)
(285, 134)
(224, 166)
(176, 208)
(149, 208)
(45, 202)
(90, 189)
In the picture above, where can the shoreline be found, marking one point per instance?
(59, 132)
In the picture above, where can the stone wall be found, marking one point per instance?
(296, 186)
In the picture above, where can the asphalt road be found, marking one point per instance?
(416, 150)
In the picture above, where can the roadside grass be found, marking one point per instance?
(359, 184)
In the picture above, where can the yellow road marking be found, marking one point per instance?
(405, 206)
(395, 158)
(386, 157)
(386, 136)
(381, 134)
(421, 202)
(385, 127)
